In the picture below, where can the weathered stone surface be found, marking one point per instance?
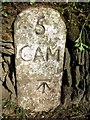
(7, 80)
(40, 36)
(6, 47)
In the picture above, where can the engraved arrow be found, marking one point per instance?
(43, 84)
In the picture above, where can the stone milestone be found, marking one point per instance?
(40, 36)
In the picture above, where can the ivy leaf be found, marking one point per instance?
(77, 41)
(81, 48)
(85, 46)
(77, 44)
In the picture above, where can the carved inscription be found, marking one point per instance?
(40, 35)
(56, 54)
(25, 54)
(43, 84)
(38, 54)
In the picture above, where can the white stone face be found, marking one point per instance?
(40, 36)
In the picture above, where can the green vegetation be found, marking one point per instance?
(18, 111)
(5, 1)
(8, 104)
(63, 109)
(77, 109)
(79, 43)
(4, 14)
(32, 1)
